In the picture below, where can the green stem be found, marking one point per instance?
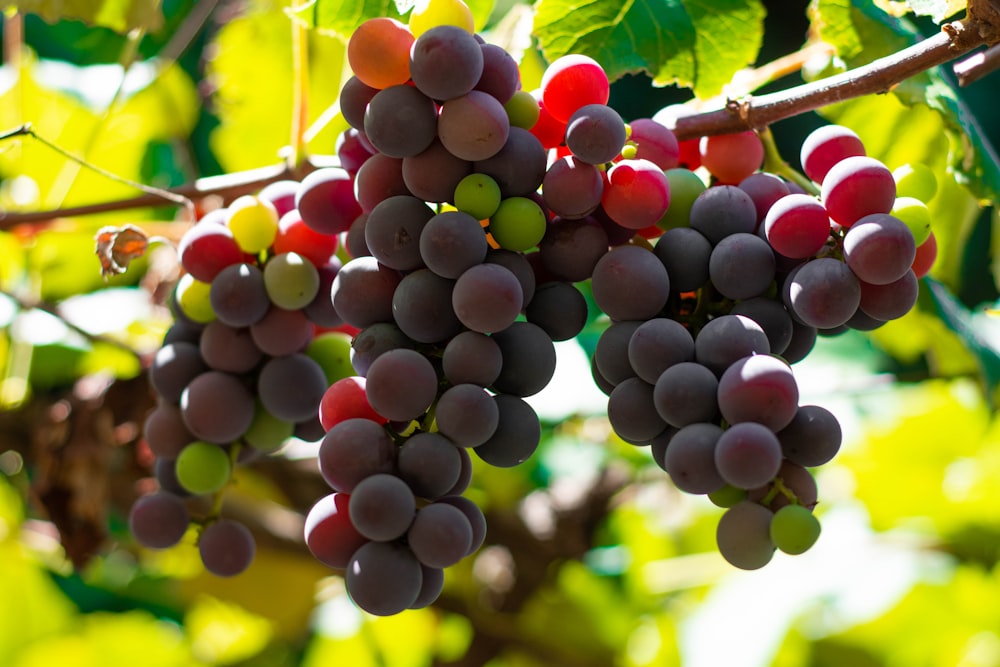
(300, 92)
(775, 164)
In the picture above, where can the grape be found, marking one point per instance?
(487, 298)
(281, 195)
(743, 535)
(519, 167)
(384, 578)
(354, 98)
(226, 547)
(572, 188)
(193, 298)
(748, 455)
(452, 242)
(434, 174)
(226, 348)
(892, 300)
(658, 344)
(473, 126)
(915, 180)
(862, 321)
(216, 407)
(427, 14)
(354, 240)
(332, 351)
(294, 235)
(467, 415)
(915, 215)
(654, 142)
(380, 177)
(637, 193)
(446, 62)
(685, 187)
(165, 432)
(924, 257)
(879, 249)
(401, 384)
(727, 496)
(794, 529)
(517, 434)
(239, 295)
(291, 280)
(611, 352)
(516, 263)
(802, 342)
(372, 341)
(430, 464)
(797, 485)
(183, 330)
(690, 458)
(727, 338)
(731, 157)
(812, 438)
(630, 283)
(522, 110)
(797, 226)
(354, 449)
(203, 467)
(311, 430)
(253, 222)
(685, 253)
(857, 186)
(473, 514)
(518, 224)
(529, 359)
(572, 81)
(440, 536)
(266, 432)
(346, 399)
(280, 332)
(362, 292)
(571, 248)
(741, 266)
(772, 318)
(465, 475)
(382, 507)
(501, 76)
(291, 387)
(478, 195)
(723, 210)
(759, 388)
(765, 190)
(329, 533)
(379, 52)
(325, 200)
(158, 520)
(595, 133)
(165, 473)
(431, 585)
(473, 358)
(422, 307)
(547, 129)
(206, 249)
(632, 413)
(826, 146)
(685, 393)
(559, 309)
(173, 367)
(393, 229)
(823, 293)
(400, 121)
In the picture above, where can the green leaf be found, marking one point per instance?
(938, 10)
(341, 17)
(692, 43)
(120, 15)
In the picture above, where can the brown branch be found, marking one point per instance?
(878, 76)
(977, 66)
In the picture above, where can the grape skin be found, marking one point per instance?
(743, 535)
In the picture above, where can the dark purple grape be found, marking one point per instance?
(217, 407)
(291, 387)
(382, 507)
(473, 514)
(434, 174)
(384, 578)
(467, 415)
(517, 434)
(685, 253)
(238, 295)
(446, 62)
(158, 520)
(281, 332)
(440, 536)
(393, 229)
(165, 431)
(685, 393)
(501, 76)
(741, 266)
(559, 308)
(812, 438)
(632, 413)
(744, 537)
(773, 318)
(400, 121)
(401, 384)
(380, 177)
(430, 464)
(727, 338)
(748, 455)
(226, 547)
(173, 367)
(529, 359)
(611, 352)
(630, 283)
(230, 349)
(519, 166)
(723, 210)
(759, 388)
(354, 449)
(823, 293)
(472, 358)
(372, 341)
(487, 298)
(362, 292)
(690, 458)
(451, 243)
(570, 249)
(658, 344)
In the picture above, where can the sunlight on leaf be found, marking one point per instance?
(119, 15)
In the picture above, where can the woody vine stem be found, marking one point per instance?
(957, 38)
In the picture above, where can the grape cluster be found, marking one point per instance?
(243, 368)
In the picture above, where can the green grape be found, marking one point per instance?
(193, 299)
(727, 496)
(518, 224)
(522, 110)
(478, 195)
(332, 351)
(203, 467)
(291, 280)
(427, 14)
(685, 186)
(915, 180)
(253, 222)
(794, 529)
(915, 214)
(267, 433)
(629, 151)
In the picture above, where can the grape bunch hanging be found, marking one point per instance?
(467, 211)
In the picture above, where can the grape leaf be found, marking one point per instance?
(341, 17)
(938, 10)
(693, 43)
(119, 15)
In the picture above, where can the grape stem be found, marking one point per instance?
(775, 164)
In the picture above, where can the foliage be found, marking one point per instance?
(592, 558)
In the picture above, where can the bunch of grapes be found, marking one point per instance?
(243, 369)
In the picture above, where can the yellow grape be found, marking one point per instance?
(430, 13)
